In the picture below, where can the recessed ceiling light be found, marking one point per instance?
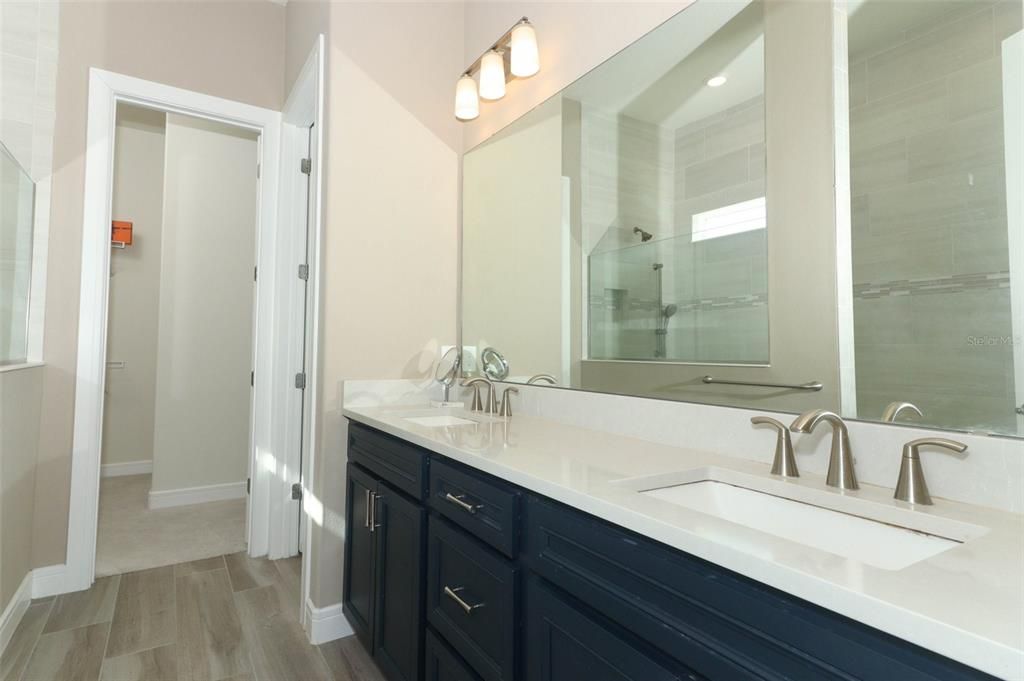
(717, 81)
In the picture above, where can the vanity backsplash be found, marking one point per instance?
(990, 473)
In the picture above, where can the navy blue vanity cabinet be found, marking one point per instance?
(359, 598)
(565, 642)
(487, 509)
(443, 663)
(399, 617)
(385, 551)
(473, 600)
(501, 584)
(714, 622)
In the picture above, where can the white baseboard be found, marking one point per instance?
(14, 611)
(114, 470)
(196, 495)
(49, 581)
(326, 624)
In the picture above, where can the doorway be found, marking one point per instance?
(180, 338)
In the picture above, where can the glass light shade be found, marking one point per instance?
(467, 104)
(525, 57)
(492, 76)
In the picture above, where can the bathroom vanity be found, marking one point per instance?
(524, 549)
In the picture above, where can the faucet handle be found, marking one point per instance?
(911, 486)
(474, 383)
(506, 401)
(784, 463)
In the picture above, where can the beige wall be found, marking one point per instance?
(134, 287)
(233, 50)
(391, 201)
(20, 393)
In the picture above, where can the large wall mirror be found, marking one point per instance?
(643, 231)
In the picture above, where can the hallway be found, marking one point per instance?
(131, 537)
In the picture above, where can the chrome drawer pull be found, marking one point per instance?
(454, 595)
(458, 501)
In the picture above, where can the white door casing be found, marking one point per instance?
(106, 90)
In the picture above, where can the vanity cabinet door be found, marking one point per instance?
(565, 644)
(358, 588)
(399, 618)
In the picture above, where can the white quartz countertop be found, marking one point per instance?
(966, 603)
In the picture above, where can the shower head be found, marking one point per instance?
(669, 310)
(644, 236)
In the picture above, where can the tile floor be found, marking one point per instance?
(230, 618)
(131, 537)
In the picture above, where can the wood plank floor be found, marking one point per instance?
(229, 618)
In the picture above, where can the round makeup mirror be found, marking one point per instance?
(448, 369)
(495, 366)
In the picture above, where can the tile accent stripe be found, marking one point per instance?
(956, 283)
(693, 305)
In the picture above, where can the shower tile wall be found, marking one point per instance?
(929, 219)
(720, 284)
(627, 182)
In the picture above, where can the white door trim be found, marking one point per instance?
(106, 89)
(304, 108)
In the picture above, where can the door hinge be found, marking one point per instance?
(255, 273)
(252, 379)
(304, 272)
(306, 166)
(297, 491)
(257, 171)
(300, 381)
(248, 485)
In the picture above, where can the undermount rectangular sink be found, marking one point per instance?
(440, 421)
(884, 536)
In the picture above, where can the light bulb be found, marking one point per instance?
(717, 81)
(467, 104)
(525, 57)
(492, 75)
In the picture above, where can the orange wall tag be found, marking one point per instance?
(122, 232)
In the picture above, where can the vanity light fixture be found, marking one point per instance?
(467, 103)
(492, 75)
(525, 56)
(519, 47)
(717, 81)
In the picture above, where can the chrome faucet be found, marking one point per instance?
(911, 486)
(893, 409)
(784, 463)
(840, 462)
(492, 401)
(547, 378)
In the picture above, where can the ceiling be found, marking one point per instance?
(662, 78)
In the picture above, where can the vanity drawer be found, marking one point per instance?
(472, 594)
(720, 624)
(397, 462)
(443, 663)
(485, 509)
